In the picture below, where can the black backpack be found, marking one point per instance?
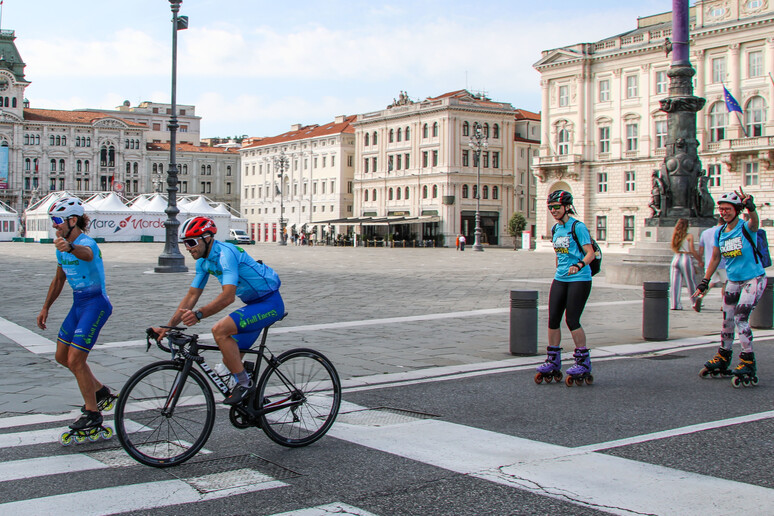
(596, 263)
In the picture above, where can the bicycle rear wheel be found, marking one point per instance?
(153, 436)
(305, 391)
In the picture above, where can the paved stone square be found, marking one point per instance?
(370, 310)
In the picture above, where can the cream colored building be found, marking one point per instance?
(526, 151)
(414, 162)
(603, 132)
(155, 116)
(316, 181)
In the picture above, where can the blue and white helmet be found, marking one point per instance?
(66, 207)
(731, 198)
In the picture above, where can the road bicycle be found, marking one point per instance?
(166, 410)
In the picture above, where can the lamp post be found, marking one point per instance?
(478, 141)
(171, 260)
(280, 162)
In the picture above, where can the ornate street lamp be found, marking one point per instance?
(477, 141)
(281, 162)
(171, 260)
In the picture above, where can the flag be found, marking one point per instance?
(731, 103)
(182, 21)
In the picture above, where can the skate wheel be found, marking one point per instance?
(715, 374)
(80, 439)
(107, 433)
(66, 439)
(746, 382)
(754, 380)
(736, 382)
(549, 379)
(94, 437)
(589, 380)
(109, 406)
(539, 378)
(568, 381)
(579, 381)
(704, 372)
(558, 376)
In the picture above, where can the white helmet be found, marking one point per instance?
(731, 198)
(66, 207)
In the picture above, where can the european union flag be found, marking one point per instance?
(731, 103)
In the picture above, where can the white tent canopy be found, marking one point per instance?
(9, 222)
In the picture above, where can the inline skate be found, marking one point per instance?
(106, 400)
(745, 372)
(551, 369)
(581, 371)
(718, 365)
(87, 427)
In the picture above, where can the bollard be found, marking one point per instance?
(763, 315)
(655, 310)
(524, 319)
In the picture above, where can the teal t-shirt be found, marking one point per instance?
(567, 251)
(87, 277)
(739, 254)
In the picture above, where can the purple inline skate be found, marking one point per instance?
(551, 369)
(581, 371)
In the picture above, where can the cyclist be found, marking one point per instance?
(571, 286)
(79, 261)
(240, 276)
(746, 280)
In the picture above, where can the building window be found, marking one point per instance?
(486, 160)
(400, 133)
(406, 193)
(604, 140)
(373, 139)
(629, 181)
(661, 81)
(424, 192)
(713, 174)
(435, 191)
(661, 133)
(373, 164)
(755, 116)
(718, 119)
(435, 129)
(751, 173)
(465, 129)
(435, 158)
(496, 131)
(628, 233)
(631, 87)
(465, 158)
(755, 64)
(424, 159)
(601, 229)
(365, 166)
(602, 182)
(392, 135)
(564, 96)
(719, 69)
(485, 190)
(366, 140)
(465, 191)
(424, 131)
(390, 194)
(406, 159)
(495, 193)
(604, 90)
(564, 142)
(495, 160)
(407, 133)
(365, 196)
(632, 136)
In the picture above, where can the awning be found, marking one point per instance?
(379, 221)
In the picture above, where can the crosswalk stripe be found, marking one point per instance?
(49, 435)
(606, 482)
(42, 466)
(136, 497)
(327, 510)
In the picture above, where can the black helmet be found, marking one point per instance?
(561, 197)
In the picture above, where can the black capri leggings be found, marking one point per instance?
(569, 296)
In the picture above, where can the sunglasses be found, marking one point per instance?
(190, 243)
(555, 207)
(57, 220)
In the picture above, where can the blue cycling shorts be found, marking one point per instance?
(251, 319)
(81, 327)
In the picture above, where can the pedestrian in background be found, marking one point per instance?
(681, 269)
(744, 288)
(569, 291)
(462, 242)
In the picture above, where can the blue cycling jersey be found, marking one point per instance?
(233, 266)
(83, 276)
(567, 251)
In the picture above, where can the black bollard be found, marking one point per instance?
(763, 315)
(524, 319)
(655, 310)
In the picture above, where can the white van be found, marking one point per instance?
(240, 236)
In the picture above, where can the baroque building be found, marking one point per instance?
(416, 171)
(603, 133)
(303, 175)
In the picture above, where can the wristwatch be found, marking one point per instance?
(199, 315)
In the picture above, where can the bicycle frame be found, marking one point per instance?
(188, 346)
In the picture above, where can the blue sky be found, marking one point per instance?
(255, 67)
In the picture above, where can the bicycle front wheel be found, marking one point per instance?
(301, 396)
(157, 435)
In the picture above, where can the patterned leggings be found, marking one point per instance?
(681, 269)
(738, 303)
